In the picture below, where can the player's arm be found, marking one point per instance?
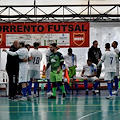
(101, 61)
(10, 52)
(61, 62)
(82, 73)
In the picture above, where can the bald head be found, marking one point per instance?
(16, 44)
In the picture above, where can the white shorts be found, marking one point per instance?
(109, 76)
(23, 73)
(35, 74)
(91, 79)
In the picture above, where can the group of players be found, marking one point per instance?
(29, 68)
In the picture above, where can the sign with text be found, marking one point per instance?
(64, 34)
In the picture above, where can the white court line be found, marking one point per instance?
(88, 115)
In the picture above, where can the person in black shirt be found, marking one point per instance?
(12, 68)
(94, 53)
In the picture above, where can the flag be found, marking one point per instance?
(67, 76)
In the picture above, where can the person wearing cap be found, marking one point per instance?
(56, 61)
(71, 64)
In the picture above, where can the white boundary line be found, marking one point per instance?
(89, 115)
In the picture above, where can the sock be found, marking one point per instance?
(63, 89)
(96, 85)
(48, 85)
(54, 91)
(119, 84)
(116, 83)
(29, 90)
(112, 85)
(30, 84)
(85, 84)
(76, 87)
(24, 91)
(35, 87)
(66, 87)
(109, 88)
(59, 88)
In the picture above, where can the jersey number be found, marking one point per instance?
(111, 60)
(36, 60)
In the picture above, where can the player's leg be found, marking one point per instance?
(95, 81)
(59, 81)
(86, 85)
(54, 85)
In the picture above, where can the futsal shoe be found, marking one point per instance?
(64, 95)
(109, 97)
(23, 99)
(115, 93)
(86, 92)
(93, 91)
(52, 97)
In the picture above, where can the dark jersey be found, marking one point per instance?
(54, 60)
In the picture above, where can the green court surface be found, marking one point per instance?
(73, 107)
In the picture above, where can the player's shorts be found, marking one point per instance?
(109, 76)
(35, 74)
(90, 79)
(23, 73)
(54, 77)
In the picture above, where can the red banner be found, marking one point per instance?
(72, 34)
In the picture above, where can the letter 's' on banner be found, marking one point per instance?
(72, 34)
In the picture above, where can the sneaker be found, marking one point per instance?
(115, 93)
(29, 97)
(64, 95)
(86, 92)
(23, 99)
(34, 95)
(94, 93)
(52, 97)
(49, 94)
(109, 97)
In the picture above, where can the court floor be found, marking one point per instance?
(74, 107)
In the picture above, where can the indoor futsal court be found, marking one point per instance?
(73, 107)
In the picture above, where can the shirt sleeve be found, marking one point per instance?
(12, 53)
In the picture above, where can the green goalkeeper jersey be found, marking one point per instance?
(54, 60)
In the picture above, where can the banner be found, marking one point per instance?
(71, 34)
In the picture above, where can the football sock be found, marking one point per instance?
(24, 91)
(109, 88)
(85, 84)
(48, 85)
(35, 87)
(116, 83)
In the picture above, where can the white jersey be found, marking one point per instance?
(70, 60)
(116, 50)
(37, 57)
(110, 59)
(23, 53)
(89, 70)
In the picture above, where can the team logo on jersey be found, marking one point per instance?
(0, 39)
(78, 38)
(53, 60)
